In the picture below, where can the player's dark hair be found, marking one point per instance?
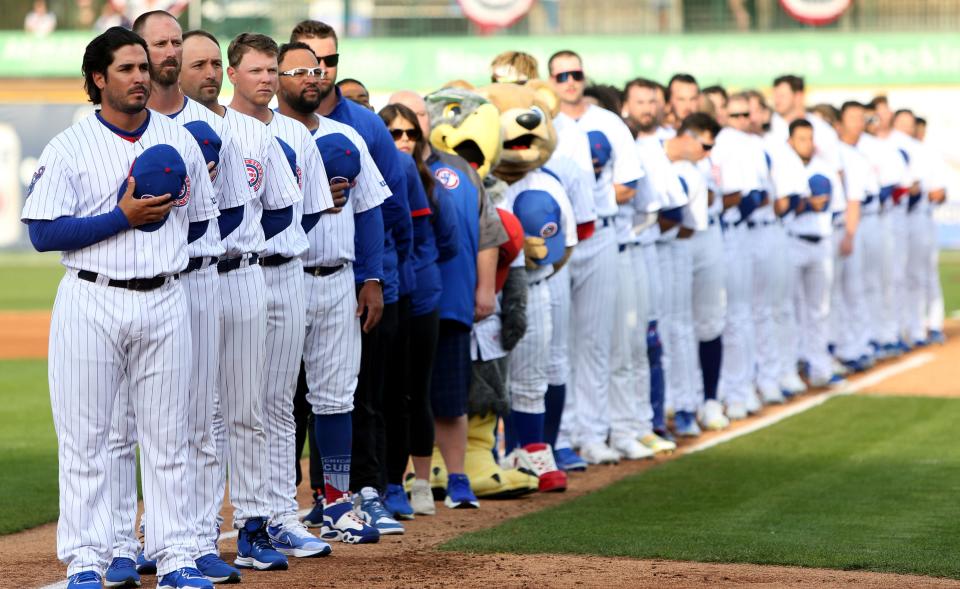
(753, 94)
(99, 55)
(904, 111)
(827, 112)
(877, 101)
(141, 22)
(313, 29)
(350, 81)
(562, 53)
(700, 122)
(640, 83)
(716, 90)
(389, 114)
(849, 105)
(921, 120)
(608, 97)
(681, 78)
(795, 82)
(201, 33)
(800, 124)
(292, 46)
(245, 42)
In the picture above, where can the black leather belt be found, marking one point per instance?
(809, 238)
(606, 221)
(139, 284)
(231, 264)
(274, 260)
(322, 270)
(201, 262)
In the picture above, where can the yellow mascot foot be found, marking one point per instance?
(487, 479)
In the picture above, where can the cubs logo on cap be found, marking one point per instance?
(340, 156)
(600, 150)
(447, 178)
(159, 170)
(510, 249)
(540, 216)
(292, 160)
(208, 140)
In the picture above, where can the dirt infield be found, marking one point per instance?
(25, 334)
(28, 559)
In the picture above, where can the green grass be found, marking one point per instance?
(28, 447)
(950, 280)
(28, 280)
(858, 483)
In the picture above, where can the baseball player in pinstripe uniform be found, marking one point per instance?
(202, 287)
(331, 353)
(253, 71)
(121, 304)
(586, 419)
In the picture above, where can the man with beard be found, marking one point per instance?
(202, 286)
(253, 73)
(368, 473)
(644, 112)
(332, 351)
(120, 310)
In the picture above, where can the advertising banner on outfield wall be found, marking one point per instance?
(827, 59)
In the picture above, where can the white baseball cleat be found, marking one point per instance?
(771, 395)
(737, 411)
(793, 384)
(753, 403)
(599, 453)
(712, 417)
(631, 449)
(657, 444)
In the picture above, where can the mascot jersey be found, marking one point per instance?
(614, 154)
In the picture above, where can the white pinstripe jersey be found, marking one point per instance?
(230, 182)
(312, 177)
(662, 180)
(539, 180)
(572, 163)
(79, 175)
(267, 174)
(623, 166)
(331, 242)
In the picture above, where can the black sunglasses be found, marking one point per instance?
(706, 146)
(562, 77)
(735, 115)
(330, 60)
(412, 134)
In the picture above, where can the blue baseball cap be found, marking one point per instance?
(600, 150)
(820, 185)
(291, 159)
(208, 140)
(159, 170)
(341, 157)
(540, 216)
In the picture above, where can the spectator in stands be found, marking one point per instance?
(40, 21)
(111, 15)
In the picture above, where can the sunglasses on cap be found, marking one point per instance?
(562, 77)
(330, 60)
(412, 134)
(736, 115)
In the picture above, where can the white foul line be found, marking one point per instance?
(858, 384)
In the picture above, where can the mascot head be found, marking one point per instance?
(466, 124)
(526, 122)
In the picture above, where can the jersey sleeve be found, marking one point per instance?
(573, 163)
(231, 183)
(416, 195)
(371, 189)
(203, 201)
(316, 186)
(626, 160)
(280, 189)
(52, 193)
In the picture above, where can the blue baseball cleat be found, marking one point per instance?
(185, 578)
(84, 580)
(372, 510)
(145, 566)
(254, 550)
(291, 538)
(569, 461)
(342, 523)
(122, 572)
(214, 568)
(397, 503)
(459, 493)
(685, 424)
(936, 337)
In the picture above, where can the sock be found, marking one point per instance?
(657, 385)
(528, 427)
(334, 435)
(509, 434)
(556, 396)
(711, 355)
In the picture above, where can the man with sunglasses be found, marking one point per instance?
(368, 470)
(593, 265)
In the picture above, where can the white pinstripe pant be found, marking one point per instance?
(768, 292)
(558, 362)
(630, 410)
(528, 360)
(286, 325)
(738, 369)
(201, 290)
(98, 334)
